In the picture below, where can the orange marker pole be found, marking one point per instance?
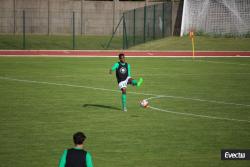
(191, 35)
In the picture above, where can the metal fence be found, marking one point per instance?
(147, 23)
(25, 18)
(54, 17)
(54, 22)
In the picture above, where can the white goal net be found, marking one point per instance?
(216, 17)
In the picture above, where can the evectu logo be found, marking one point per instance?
(235, 154)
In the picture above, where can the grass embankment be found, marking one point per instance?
(44, 42)
(201, 43)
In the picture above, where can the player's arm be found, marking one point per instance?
(129, 71)
(62, 161)
(115, 66)
(89, 162)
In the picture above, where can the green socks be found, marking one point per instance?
(124, 102)
(134, 82)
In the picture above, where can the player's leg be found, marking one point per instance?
(124, 99)
(134, 82)
(123, 85)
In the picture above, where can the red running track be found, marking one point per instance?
(110, 53)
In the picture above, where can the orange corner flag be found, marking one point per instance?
(191, 35)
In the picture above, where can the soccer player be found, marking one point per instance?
(123, 76)
(76, 156)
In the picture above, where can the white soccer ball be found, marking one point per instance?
(144, 103)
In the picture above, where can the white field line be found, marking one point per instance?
(196, 99)
(155, 96)
(190, 114)
(197, 115)
(138, 93)
(58, 84)
(191, 74)
(217, 62)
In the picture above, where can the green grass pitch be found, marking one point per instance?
(43, 101)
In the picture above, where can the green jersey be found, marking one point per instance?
(122, 71)
(63, 159)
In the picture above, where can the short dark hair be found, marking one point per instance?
(79, 137)
(121, 55)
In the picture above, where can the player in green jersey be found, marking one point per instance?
(123, 76)
(76, 156)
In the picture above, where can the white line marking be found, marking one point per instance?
(218, 62)
(138, 93)
(58, 84)
(192, 74)
(190, 114)
(196, 99)
(155, 96)
(197, 115)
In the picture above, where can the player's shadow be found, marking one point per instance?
(101, 106)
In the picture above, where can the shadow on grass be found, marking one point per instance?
(101, 106)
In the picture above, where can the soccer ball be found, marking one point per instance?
(144, 103)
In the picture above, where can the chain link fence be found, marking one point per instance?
(147, 23)
(49, 24)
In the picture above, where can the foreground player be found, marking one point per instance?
(123, 77)
(77, 156)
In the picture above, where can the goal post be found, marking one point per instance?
(216, 17)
